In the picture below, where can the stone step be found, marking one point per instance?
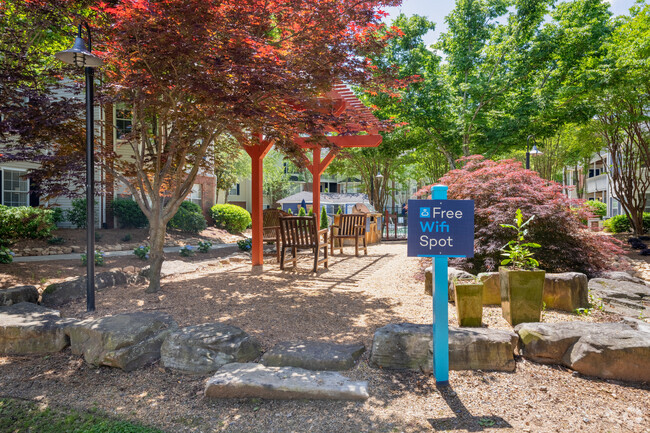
(248, 380)
(313, 355)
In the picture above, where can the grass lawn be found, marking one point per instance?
(19, 416)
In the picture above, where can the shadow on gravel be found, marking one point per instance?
(463, 420)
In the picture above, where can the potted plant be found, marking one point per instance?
(521, 282)
(468, 295)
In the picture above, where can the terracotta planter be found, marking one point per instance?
(521, 295)
(469, 302)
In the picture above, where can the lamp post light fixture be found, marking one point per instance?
(81, 56)
(534, 151)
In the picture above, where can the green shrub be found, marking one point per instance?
(126, 238)
(142, 252)
(245, 244)
(99, 258)
(25, 222)
(289, 211)
(187, 251)
(77, 215)
(301, 212)
(6, 255)
(646, 222)
(129, 214)
(188, 218)
(324, 223)
(57, 215)
(233, 218)
(56, 241)
(618, 224)
(596, 207)
(204, 246)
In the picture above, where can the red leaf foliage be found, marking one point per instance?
(498, 189)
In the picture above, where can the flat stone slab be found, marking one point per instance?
(127, 341)
(204, 348)
(605, 350)
(313, 355)
(282, 383)
(622, 297)
(410, 346)
(61, 293)
(18, 294)
(620, 276)
(27, 328)
(174, 267)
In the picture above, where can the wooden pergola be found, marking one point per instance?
(340, 99)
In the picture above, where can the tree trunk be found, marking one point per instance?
(157, 230)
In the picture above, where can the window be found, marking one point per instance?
(123, 120)
(195, 195)
(15, 189)
(234, 190)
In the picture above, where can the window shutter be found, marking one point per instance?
(34, 198)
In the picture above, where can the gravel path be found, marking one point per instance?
(344, 304)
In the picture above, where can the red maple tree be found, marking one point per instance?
(498, 189)
(195, 70)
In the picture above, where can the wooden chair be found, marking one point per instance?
(350, 226)
(302, 233)
(271, 227)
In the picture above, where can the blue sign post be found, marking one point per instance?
(440, 228)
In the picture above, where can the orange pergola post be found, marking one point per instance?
(316, 168)
(257, 153)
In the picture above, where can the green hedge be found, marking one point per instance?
(233, 218)
(622, 224)
(188, 218)
(129, 214)
(25, 222)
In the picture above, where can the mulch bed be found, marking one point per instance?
(346, 303)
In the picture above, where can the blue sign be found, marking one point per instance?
(440, 228)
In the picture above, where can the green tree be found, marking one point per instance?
(621, 94)
(276, 182)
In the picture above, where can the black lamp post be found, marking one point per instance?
(534, 151)
(82, 57)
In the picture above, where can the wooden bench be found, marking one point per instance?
(271, 227)
(302, 233)
(350, 226)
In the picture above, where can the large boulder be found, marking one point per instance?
(605, 350)
(481, 349)
(566, 291)
(27, 328)
(491, 287)
(18, 294)
(283, 383)
(127, 341)
(204, 348)
(313, 355)
(410, 346)
(61, 293)
(452, 274)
